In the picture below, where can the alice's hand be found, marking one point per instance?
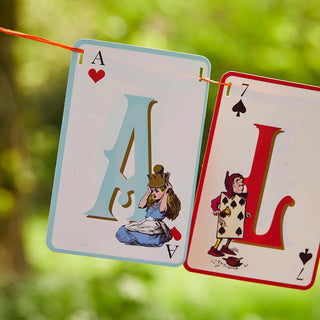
(216, 213)
(168, 186)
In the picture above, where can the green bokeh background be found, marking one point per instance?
(278, 39)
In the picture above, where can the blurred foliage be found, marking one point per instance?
(68, 287)
(278, 39)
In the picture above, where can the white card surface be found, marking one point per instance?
(265, 133)
(130, 112)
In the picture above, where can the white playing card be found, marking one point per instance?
(263, 148)
(128, 153)
(232, 216)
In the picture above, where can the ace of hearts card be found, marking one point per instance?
(128, 155)
(256, 214)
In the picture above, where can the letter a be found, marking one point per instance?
(171, 251)
(100, 58)
(135, 127)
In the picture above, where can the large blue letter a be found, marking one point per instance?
(135, 128)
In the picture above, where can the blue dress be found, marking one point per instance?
(151, 232)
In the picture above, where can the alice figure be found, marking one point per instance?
(160, 202)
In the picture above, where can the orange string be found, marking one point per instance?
(35, 38)
(217, 82)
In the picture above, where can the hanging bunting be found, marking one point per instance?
(128, 156)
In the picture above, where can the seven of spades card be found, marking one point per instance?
(263, 149)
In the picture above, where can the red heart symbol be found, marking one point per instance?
(96, 75)
(176, 234)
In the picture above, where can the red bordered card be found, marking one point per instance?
(256, 212)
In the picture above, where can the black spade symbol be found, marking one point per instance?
(233, 204)
(242, 202)
(239, 107)
(225, 200)
(240, 216)
(305, 256)
(238, 231)
(222, 230)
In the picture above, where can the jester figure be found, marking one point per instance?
(230, 207)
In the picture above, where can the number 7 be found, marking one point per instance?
(244, 84)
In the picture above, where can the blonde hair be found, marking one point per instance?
(173, 202)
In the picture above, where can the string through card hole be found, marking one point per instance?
(201, 78)
(200, 73)
(81, 57)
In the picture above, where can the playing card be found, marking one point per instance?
(231, 217)
(128, 154)
(255, 215)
